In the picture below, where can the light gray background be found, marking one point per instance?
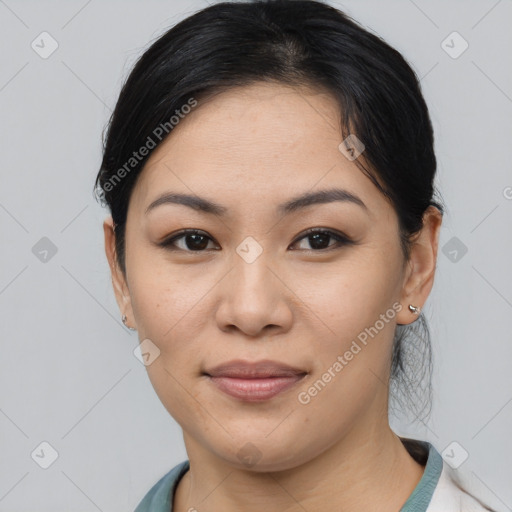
(68, 375)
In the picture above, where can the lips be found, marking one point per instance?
(253, 370)
(254, 381)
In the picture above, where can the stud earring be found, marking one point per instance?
(414, 309)
(124, 322)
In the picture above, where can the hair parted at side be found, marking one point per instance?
(298, 43)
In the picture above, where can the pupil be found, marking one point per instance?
(319, 236)
(195, 245)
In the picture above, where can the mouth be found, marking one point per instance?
(254, 381)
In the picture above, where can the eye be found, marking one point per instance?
(193, 240)
(318, 239)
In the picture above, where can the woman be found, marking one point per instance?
(269, 168)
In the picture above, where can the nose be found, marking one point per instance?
(254, 299)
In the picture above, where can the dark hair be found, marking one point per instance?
(299, 43)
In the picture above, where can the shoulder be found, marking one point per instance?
(442, 488)
(159, 497)
(458, 492)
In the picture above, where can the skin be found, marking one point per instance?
(251, 149)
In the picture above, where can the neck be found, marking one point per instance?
(362, 471)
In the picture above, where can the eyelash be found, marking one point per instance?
(341, 240)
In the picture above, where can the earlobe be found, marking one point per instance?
(125, 322)
(414, 309)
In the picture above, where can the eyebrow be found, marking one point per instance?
(293, 205)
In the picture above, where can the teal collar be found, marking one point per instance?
(161, 495)
(420, 498)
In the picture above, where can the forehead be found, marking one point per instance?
(257, 144)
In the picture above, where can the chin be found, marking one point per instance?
(259, 454)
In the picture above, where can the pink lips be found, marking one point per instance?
(256, 381)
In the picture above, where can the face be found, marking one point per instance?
(252, 284)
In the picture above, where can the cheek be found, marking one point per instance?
(164, 296)
(181, 400)
(373, 278)
(173, 322)
(169, 311)
(354, 314)
(352, 360)
(352, 293)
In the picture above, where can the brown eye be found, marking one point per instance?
(190, 240)
(194, 240)
(318, 240)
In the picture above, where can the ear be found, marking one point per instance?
(421, 267)
(119, 283)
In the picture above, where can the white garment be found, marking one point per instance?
(450, 494)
